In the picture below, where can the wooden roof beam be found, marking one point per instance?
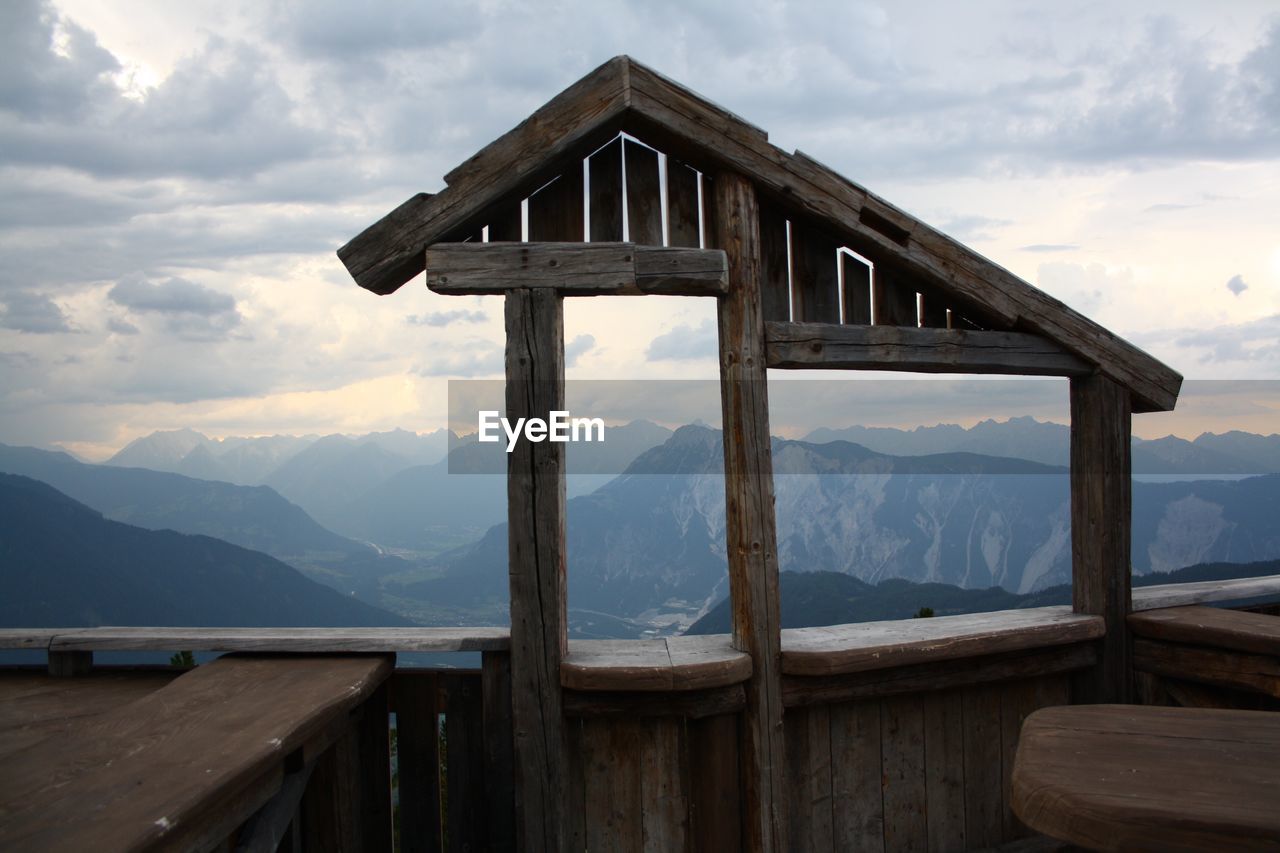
(831, 347)
(576, 269)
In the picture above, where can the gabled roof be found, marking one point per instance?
(623, 95)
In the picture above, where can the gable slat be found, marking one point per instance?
(775, 285)
(683, 228)
(605, 168)
(857, 291)
(815, 286)
(895, 298)
(644, 194)
(555, 211)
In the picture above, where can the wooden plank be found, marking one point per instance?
(507, 225)
(944, 770)
(902, 730)
(206, 750)
(418, 761)
(933, 308)
(1211, 626)
(856, 776)
(1018, 699)
(612, 780)
(389, 252)
(775, 266)
(983, 777)
(536, 568)
(682, 123)
(1101, 522)
(811, 804)
(466, 820)
(691, 704)
(1239, 670)
(605, 195)
(555, 211)
(328, 818)
(69, 664)
(373, 772)
(27, 638)
(662, 664)
(857, 291)
(575, 269)
(831, 347)
(750, 533)
(683, 223)
(499, 750)
(894, 296)
(644, 194)
(937, 675)
(815, 284)
(664, 797)
(714, 783)
(866, 646)
(1204, 592)
(1117, 777)
(283, 640)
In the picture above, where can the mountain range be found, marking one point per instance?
(64, 565)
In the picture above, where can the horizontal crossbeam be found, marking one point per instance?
(576, 269)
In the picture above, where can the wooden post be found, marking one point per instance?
(1101, 522)
(498, 750)
(536, 565)
(69, 664)
(750, 536)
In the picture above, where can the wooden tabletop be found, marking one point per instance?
(1125, 777)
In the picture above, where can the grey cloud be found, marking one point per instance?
(328, 29)
(117, 326)
(577, 348)
(1050, 247)
(466, 360)
(684, 343)
(36, 313)
(1236, 285)
(1256, 340)
(173, 296)
(37, 83)
(446, 318)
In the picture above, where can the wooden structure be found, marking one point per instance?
(879, 736)
(1124, 777)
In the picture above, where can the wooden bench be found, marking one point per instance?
(1127, 777)
(182, 767)
(1226, 648)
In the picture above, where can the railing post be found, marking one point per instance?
(536, 566)
(1101, 522)
(495, 676)
(750, 536)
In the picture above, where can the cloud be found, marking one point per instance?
(446, 318)
(1252, 341)
(36, 313)
(684, 343)
(577, 348)
(117, 326)
(1236, 285)
(1085, 287)
(466, 360)
(190, 310)
(1050, 247)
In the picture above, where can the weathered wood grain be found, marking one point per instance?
(1211, 626)
(750, 533)
(373, 772)
(466, 816)
(536, 568)
(810, 805)
(775, 266)
(906, 824)
(1117, 777)
(605, 193)
(644, 194)
(856, 776)
(27, 638)
(800, 690)
(555, 211)
(832, 347)
(1204, 592)
(418, 761)
(613, 813)
(691, 704)
(506, 225)
(1240, 670)
(65, 663)
(944, 735)
(857, 291)
(983, 778)
(1101, 522)
(715, 798)
(867, 646)
(815, 288)
(894, 295)
(662, 664)
(499, 750)
(664, 794)
(933, 308)
(318, 640)
(683, 224)
(575, 269)
(180, 759)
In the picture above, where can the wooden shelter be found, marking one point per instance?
(874, 736)
(809, 270)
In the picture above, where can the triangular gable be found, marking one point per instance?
(623, 95)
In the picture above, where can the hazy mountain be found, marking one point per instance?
(65, 565)
(160, 451)
(1234, 453)
(650, 544)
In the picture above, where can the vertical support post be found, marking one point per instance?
(536, 565)
(1101, 528)
(750, 535)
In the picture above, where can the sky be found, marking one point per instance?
(175, 179)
